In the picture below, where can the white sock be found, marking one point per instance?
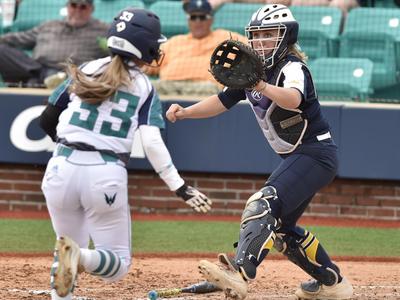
(104, 263)
(90, 259)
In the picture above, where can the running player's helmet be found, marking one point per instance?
(136, 32)
(272, 18)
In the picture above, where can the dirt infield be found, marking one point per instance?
(27, 278)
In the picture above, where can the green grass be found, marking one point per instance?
(36, 236)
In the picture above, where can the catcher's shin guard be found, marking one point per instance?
(257, 232)
(309, 255)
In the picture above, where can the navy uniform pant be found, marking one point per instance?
(297, 179)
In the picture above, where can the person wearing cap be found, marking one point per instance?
(52, 44)
(187, 56)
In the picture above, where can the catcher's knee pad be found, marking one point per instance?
(309, 255)
(257, 232)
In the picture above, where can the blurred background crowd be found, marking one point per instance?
(353, 46)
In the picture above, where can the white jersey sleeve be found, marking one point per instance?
(159, 157)
(294, 76)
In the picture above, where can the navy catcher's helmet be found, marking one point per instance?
(136, 32)
(274, 17)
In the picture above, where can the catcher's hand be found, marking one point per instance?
(195, 199)
(236, 65)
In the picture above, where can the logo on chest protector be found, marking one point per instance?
(256, 95)
(110, 199)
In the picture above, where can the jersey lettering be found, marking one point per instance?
(91, 118)
(106, 127)
(124, 116)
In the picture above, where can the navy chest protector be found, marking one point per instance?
(283, 128)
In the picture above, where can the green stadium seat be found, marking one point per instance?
(385, 3)
(34, 12)
(348, 78)
(106, 10)
(319, 29)
(172, 16)
(374, 33)
(234, 16)
(148, 3)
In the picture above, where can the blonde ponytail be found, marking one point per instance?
(95, 90)
(296, 51)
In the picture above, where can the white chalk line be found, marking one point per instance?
(371, 287)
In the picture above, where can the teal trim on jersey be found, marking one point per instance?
(102, 263)
(108, 158)
(63, 151)
(124, 116)
(58, 91)
(155, 117)
(91, 119)
(66, 151)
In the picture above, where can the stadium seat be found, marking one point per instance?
(374, 33)
(172, 16)
(234, 16)
(106, 10)
(34, 12)
(385, 3)
(348, 78)
(319, 29)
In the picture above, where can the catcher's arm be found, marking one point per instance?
(289, 98)
(206, 108)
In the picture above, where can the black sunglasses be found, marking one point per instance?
(79, 6)
(199, 17)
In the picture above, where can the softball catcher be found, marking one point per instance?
(93, 116)
(272, 75)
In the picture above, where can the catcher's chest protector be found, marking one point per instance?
(283, 128)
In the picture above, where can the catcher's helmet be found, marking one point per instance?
(274, 17)
(136, 32)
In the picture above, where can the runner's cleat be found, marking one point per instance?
(68, 253)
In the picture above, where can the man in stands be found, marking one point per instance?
(52, 44)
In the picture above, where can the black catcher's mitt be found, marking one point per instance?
(236, 65)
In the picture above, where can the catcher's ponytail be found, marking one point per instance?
(295, 50)
(95, 90)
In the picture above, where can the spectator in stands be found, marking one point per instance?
(216, 3)
(52, 43)
(187, 56)
(343, 5)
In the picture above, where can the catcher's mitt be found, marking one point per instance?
(236, 65)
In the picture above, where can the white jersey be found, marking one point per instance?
(110, 125)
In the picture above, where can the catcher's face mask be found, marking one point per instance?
(272, 17)
(266, 41)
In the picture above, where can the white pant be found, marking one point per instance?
(88, 198)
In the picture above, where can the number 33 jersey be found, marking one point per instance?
(111, 124)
